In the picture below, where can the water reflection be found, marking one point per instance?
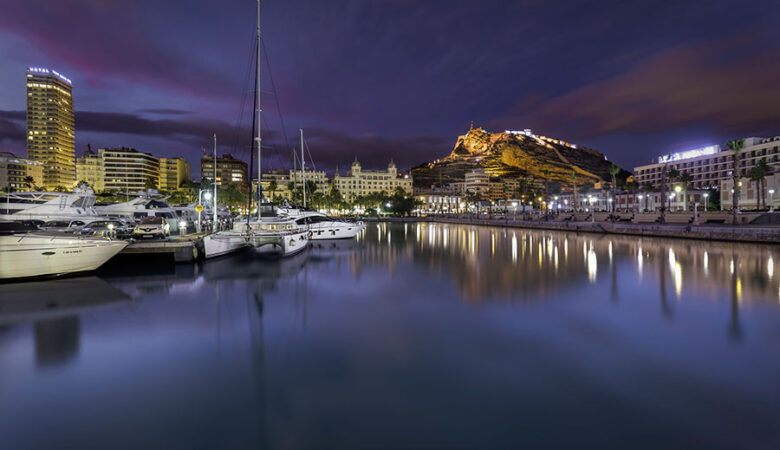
(53, 309)
(411, 335)
(523, 265)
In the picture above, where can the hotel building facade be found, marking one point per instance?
(713, 166)
(50, 126)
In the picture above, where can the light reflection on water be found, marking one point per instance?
(411, 335)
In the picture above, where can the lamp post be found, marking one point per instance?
(706, 202)
(771, 200)
(200, 202)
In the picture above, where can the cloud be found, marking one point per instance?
(683, 86)
(164, 111)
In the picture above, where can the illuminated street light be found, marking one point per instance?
(207, 195)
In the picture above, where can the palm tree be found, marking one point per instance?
(291, 189)
(762, 171)
(632, 187)
(29, 182)
(613, 171)
(272, 187)
(662, 183)
(685, 179)
(736, 147)
(573, 177)
(648, 189)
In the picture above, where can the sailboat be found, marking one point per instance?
(222, 242)
(269, 233)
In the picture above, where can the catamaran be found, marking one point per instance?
(269, 233)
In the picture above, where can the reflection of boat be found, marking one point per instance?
(36, 253)
(333, 247)
(247, 267)
(32, 301)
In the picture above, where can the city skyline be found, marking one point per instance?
(633, 88)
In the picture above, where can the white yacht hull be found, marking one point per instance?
(283, 245)
(223, 243)
(335, 230)
(40, 254)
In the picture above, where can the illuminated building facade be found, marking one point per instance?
(229, 170)
(89, 169)
(173, 172)
(711, 166)
(14, 172)
(50, 133)
(128, 170)
(360, 183)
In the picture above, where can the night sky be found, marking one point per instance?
(400, 78)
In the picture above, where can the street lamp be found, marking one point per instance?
(771, 200)
(706, 202)
(201, 196)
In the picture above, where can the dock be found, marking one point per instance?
(181, 248)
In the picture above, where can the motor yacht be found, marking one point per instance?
(28, 252)
(47, 206)
(323, 227)
(142, 206)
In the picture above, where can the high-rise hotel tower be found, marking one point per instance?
(50, 134)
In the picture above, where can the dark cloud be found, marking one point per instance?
(163, 111)
(12, 130)
(402, 78)
(687, 85)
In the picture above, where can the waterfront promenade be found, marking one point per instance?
(677, 226)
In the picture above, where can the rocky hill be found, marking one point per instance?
(516, 155)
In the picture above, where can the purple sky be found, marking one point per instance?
(400, 78)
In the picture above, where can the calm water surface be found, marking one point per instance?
(412, 336)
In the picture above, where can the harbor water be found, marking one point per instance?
(411, 336)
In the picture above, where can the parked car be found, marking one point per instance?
(114, 229)
(151, 227)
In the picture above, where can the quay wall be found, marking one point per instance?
(740, 233)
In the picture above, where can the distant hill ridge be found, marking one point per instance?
(516, 155)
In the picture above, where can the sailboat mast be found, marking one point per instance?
(214, 223)
(303, 171)
(259, 138)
